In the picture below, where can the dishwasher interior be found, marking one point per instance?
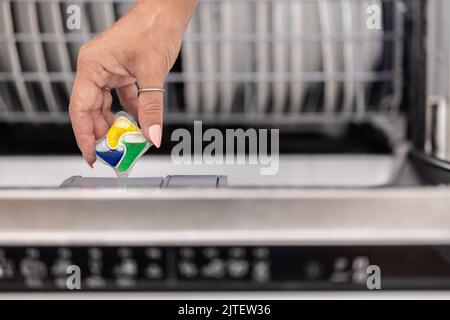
(344, 96)
(359, 91)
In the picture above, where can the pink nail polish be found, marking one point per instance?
(154, 132)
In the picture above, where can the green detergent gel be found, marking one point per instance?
(134, 151)
(122, 146)
(135, 146)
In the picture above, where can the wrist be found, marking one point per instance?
(170, 16)
(182, 6)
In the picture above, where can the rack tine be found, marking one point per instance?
(104, 16)
(66, 68)
(447, 55)
(262, 56)
(209, 55)
(3, 106)
(280, 11)
(39, 57)
(191, 63)
(6, 12)
(349, 56)
(227, 88)
(397, 58)
(328, 55)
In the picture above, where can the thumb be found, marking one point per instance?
(150, 111)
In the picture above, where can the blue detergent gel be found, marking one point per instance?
(111, 157)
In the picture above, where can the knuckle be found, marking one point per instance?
(84, 140)
(128, 95)
(84, 55)
(89, 64)
(154, 65)
(151, 108)
(71, 110)
(92, 70)
(106, 104)
(75, 111)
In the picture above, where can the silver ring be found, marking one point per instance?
(151, 90)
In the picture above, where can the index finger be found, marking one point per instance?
(86, 97)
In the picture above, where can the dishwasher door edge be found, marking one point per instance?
(384, 216)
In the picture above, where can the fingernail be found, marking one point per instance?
(154, 132)
(90, 164)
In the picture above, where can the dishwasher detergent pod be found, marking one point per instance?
(123, 145)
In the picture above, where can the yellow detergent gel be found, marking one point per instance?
(121, 126)
(123, 145)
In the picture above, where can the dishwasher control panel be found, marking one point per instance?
(151, 268)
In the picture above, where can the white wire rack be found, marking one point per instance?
(289, 61)
(438, 80)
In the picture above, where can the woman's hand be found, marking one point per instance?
(140, 47)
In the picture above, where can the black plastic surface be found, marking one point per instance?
(156, 268)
